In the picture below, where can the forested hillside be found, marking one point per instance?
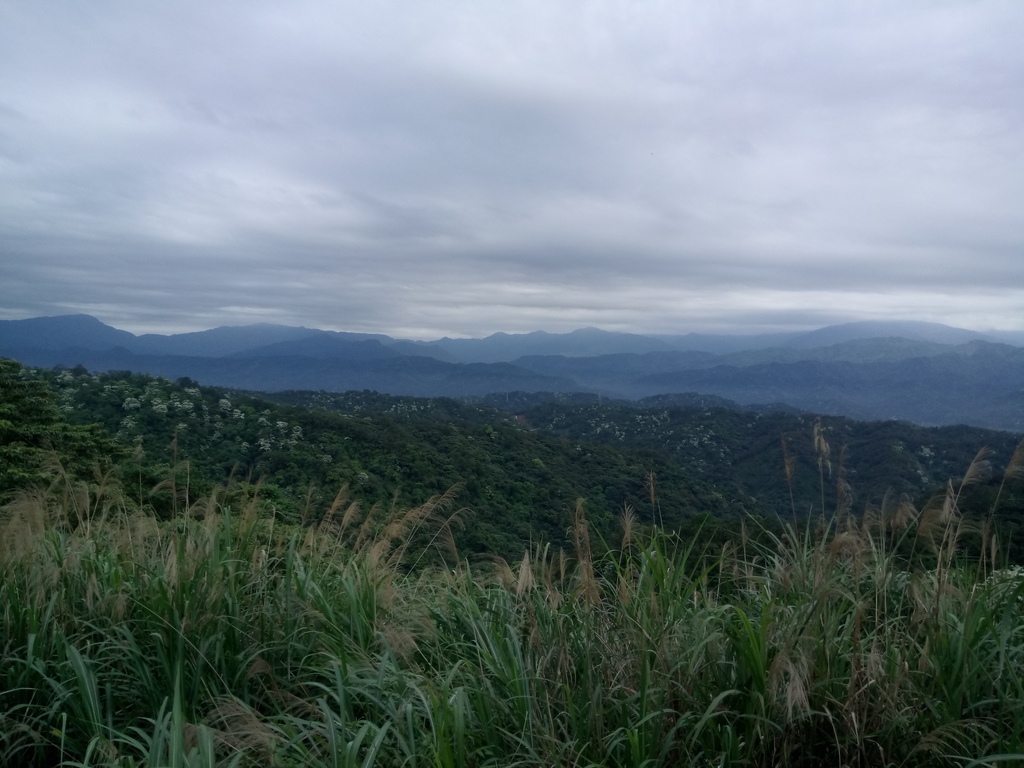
(518, 470)
(35, 436)
(740, 452)
(517, 484)
(747, 450)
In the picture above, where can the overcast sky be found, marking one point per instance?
(431, 168)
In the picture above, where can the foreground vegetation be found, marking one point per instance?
(225, 637)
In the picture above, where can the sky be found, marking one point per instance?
(464, 167)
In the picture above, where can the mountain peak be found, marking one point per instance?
(62, 332)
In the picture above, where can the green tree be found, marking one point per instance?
(33, 430)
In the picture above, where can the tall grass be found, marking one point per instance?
(225, 638)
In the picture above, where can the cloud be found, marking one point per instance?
(460, 168)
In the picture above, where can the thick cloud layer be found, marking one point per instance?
(458, 168)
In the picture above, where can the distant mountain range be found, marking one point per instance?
(922, 372)
(86, 332)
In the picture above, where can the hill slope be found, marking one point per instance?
(520, 470)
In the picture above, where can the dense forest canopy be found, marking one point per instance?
(517, 470)
(36, 439)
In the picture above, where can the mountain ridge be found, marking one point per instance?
(87, 332)
(977, 382)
